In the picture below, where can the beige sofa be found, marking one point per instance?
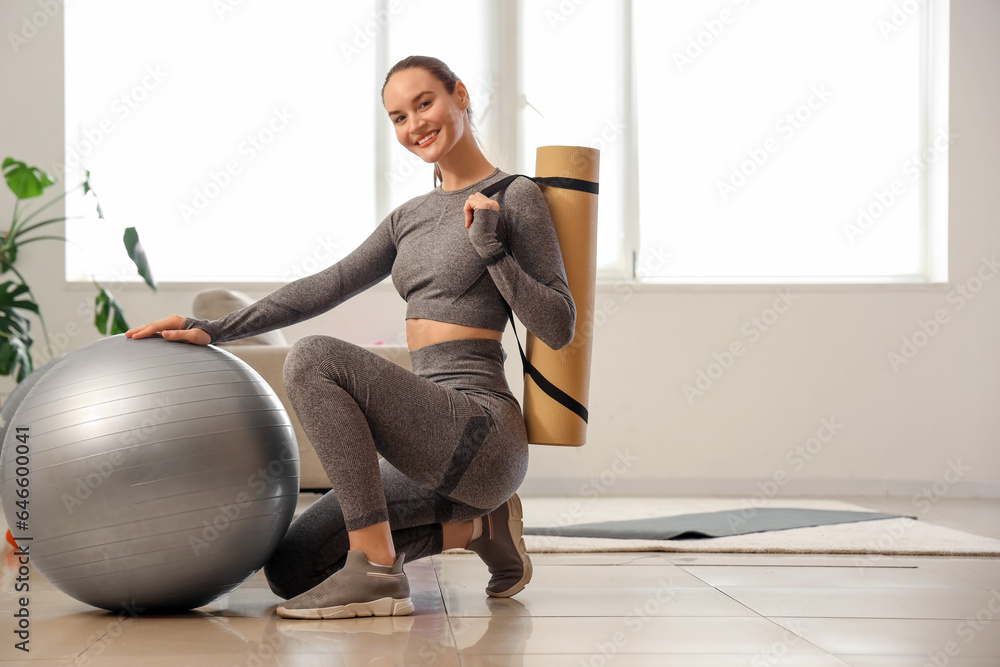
(268, 360)
(266, 355)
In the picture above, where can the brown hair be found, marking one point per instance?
(442, 73)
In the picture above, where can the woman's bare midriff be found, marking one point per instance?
(421, 332)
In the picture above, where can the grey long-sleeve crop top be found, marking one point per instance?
(426, 248)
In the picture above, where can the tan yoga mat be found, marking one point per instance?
(574, 215)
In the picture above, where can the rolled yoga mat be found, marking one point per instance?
(574, 215)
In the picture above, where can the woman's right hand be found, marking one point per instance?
(170, 328)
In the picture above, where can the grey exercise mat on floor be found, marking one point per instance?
(709, 524)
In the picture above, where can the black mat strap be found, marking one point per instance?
(567, 183)
(502, 184)
(553, 181)
(543, 383)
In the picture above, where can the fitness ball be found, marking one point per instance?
(149, 475)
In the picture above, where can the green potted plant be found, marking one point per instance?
(15, 295)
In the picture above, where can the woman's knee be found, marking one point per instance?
(279, 571)
(313, 547)
(306, 356)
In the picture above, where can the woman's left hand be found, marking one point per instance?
(483, 234)
(478, 200)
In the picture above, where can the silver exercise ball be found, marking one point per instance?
(16, 396)
(160, 475)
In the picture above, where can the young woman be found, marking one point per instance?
(450, 431)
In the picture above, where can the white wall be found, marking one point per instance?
(934, 422)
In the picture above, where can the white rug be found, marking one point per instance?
(897, 536)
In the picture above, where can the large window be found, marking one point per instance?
(788, 140)
(741, 141)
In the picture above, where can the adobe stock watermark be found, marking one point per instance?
(433, 652)
(883, 200)
(57, 342)
(613, 129)
(712, 29)
(597, 486)
(251, 146)
(928, 329)
(33, 24)
(258, 481)
(123, 106)
(797, 457)
(635, 620)
(624, 288)
(104, 468)
(777, 652)
(223, 8)
(365, 34)
(562, 12)
(705, 378)
(102, 639)
(324, 253)
(927, 497)
(263, 651)
(968, 630)
(899, 16)
(787, 127)
(923, 502)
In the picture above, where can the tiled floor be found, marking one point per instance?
(582, 610)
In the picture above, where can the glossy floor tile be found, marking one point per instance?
(581, 610)
(565, 602)
(935, 603)
(630, 634)
(894, 636)
(652, 660)
(912, 576)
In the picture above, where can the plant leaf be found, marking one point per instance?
(138, 255)
(14, 354)
(8, 297)
(15, 339)
(108, 316)
(87, 189)
(8, 255)
(24, 181)
(42, 238)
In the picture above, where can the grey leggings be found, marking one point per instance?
(450, 432)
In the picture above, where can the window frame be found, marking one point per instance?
(508, 98)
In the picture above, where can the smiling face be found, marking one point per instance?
(420, 108)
